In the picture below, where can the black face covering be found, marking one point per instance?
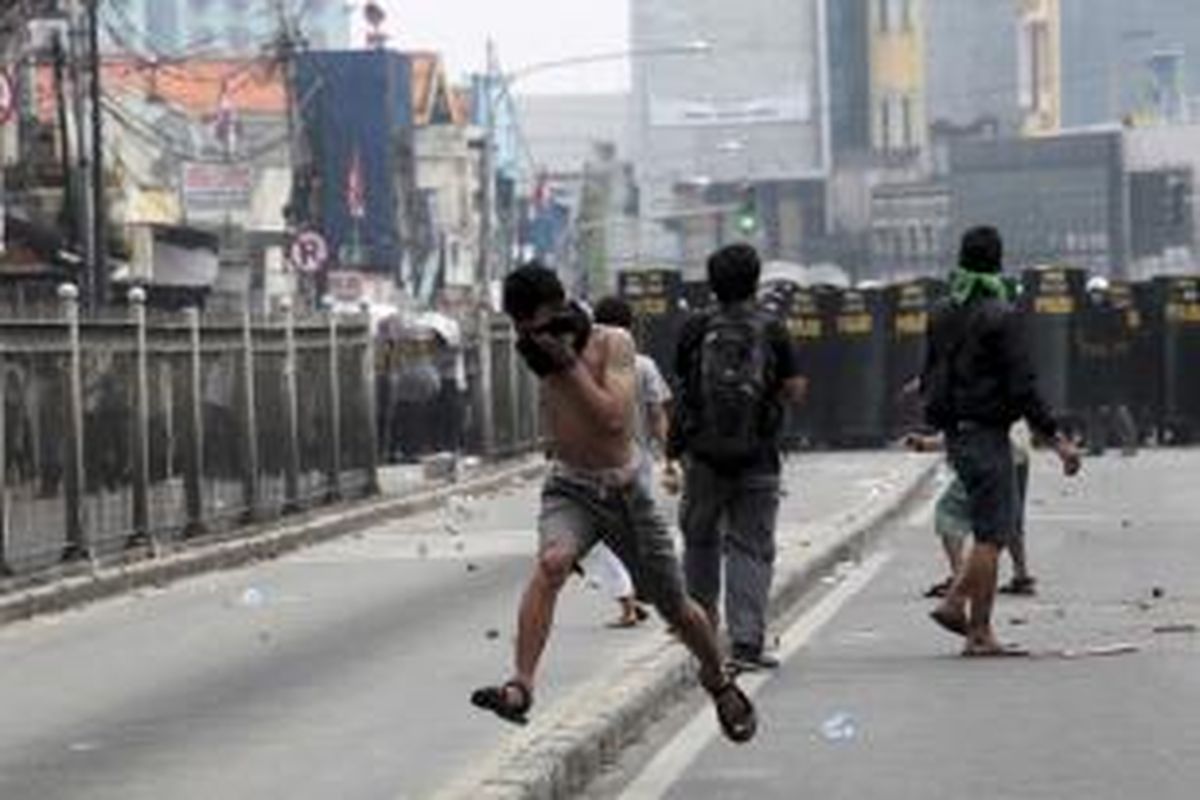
(573, 321)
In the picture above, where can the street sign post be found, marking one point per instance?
(309, 252)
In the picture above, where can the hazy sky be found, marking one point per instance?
(525, 31)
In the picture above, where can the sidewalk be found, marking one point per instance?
(404, 490)
(835, 504)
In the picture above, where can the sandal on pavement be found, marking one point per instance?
(940, 589)
(1020, 586)
(735, 712)
(498, 700)
(995, 651)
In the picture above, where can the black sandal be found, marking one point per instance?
(940, 589)
(737, 727)
(497, 700)
(1024, 587)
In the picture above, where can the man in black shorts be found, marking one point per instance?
(978, 381)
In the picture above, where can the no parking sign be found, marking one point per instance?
(308, 252)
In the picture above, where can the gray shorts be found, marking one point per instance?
(982, 458)
(952, 514)
(582, 509)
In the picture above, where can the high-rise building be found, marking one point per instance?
(230, 27)
(971, 63)
(1129, 60)
(730, 110)
(877, 76)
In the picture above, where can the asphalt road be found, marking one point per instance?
(342, 671)
(876, 703)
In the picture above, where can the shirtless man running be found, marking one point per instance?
(588, 383)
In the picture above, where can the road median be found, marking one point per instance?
(567, 745)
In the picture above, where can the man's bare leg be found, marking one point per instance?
(536, 614)
(951, 613)
(982, 565)
(1016, 550)
(734, 709)
(698, 635)
(953, 547)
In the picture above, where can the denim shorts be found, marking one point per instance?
(582, 509)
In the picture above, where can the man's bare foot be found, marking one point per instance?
(951, 618)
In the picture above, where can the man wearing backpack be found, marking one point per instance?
(978, 380)
(735, 368)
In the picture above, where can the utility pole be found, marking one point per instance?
(488, 179)
(287, 43)
(85, 196)
(99, 265)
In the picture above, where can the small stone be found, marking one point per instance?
(1158, 593)
(1018, 621)
(492, 634)
(1126, 524)
(472, 566)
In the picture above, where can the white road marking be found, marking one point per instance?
(665, 769)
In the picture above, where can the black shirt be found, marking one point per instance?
(785, 366)
(991, 376)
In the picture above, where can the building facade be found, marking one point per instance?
(729, 98)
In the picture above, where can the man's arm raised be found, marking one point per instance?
(609, 399)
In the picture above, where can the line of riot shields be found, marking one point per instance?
(1118, 364)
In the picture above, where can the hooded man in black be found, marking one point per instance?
(977, 381)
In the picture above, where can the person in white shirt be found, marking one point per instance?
(650, 433)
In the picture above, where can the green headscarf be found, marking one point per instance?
(966, 285)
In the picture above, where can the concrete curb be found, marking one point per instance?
(603, 718)
(278, 539)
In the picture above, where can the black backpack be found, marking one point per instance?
(733, 378)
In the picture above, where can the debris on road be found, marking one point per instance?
(1181, 627)
(492, 634)
(253, 597)
(839, 728)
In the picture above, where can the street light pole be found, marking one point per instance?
(99, 265)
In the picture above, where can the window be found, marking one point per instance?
(896, 15)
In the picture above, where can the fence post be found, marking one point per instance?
(193, 471)
(249, 421)
(5, 569)
(291, 402)
(77, 546)
(487, 385)
(368, 377)
(335, 411)
(514, 393)
(141, 426)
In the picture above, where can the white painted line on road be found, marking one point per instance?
(665, 769)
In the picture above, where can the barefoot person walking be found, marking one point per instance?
(978, 381)
(588, 378)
